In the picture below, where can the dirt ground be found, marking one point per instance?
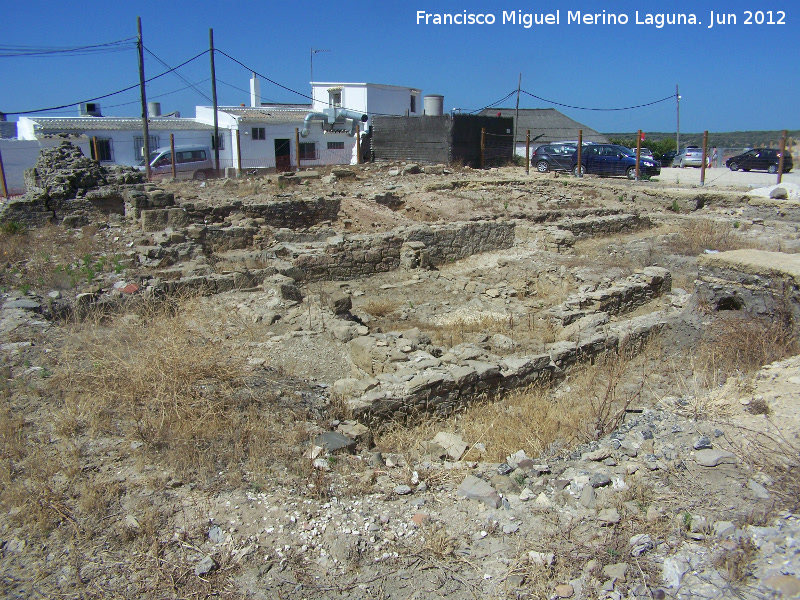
(172, 450)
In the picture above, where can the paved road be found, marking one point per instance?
(721, 177)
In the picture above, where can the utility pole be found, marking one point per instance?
(516, 119)
(678, 129)
(145, 128)
(214, 101)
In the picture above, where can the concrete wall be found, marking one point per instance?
(19, 155)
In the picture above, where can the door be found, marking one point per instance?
(283, 160)
(592, 159)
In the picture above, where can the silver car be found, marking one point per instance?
(691, 156)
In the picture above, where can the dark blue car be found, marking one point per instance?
(610, 160)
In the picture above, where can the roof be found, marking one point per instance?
(547, 125)
(266, 115)
(339, 84)
(79, 124)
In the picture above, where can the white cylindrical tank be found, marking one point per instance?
(154, 109)
(434, 105)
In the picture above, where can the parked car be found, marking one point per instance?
(553, 157)
(610, 159)
(188, 159)
(762, 159)
(691, 156)
(667, 157)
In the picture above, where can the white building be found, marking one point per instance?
(367, 98)
(119, 140)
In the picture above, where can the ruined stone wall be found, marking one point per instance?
(291, 214)
(357, 256)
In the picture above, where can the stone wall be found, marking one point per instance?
(759, 282)
(351, 257)
(292, 214)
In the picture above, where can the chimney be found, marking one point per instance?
(255, 92)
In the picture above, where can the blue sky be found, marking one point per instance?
(731, 77)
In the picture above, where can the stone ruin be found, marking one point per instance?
(69, 188)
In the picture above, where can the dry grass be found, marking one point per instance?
(740, 343)
(158, 379)
(698, 235)
(54, 258)
(380, 307)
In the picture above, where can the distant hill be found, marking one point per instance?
(729, 139)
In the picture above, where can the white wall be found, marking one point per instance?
(261, 153)
(19, 155)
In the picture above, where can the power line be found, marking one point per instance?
(503, 99)
(670, 97)
(130, 87)
(178, 75)
(150, 96)
(116, 46)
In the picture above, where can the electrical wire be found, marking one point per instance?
(178, 75)
(503, 99)
(600, 109)
(116, 46)
(157, 95)
(130, 87)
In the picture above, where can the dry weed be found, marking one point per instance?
(698, 235)
(161, 380)
(380, 307)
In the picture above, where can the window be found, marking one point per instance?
(335, 99)
(138, 145)
(413, 103)
(335, 145)
(259, 133)
(308, 151)
(221, 138)
(102, 150)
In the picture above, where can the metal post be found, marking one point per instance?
(238, 154)
(145, 127)
(214, 101)
(483, 146)
(172, 153)
(678, 129)
(705, 159)
(297, 145)
(528, 152)
(638, 152)
(358, 144)
(780, 162)
(3, 178)
(516, 117)
(580, 151)
(96, 154)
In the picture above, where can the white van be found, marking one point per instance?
(196, 160)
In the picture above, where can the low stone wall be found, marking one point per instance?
(292, 214)
(620, 298)
(404, 378)
(604, 224)
(357, 256)
(759, 282)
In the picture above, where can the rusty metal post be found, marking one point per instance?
(638, 152)
(172, 154)
(705, 159)
(483, 147)
(580, 152)
(97, 155)
(528, 152)
(3, 178)
(780, 162)
(297, 145)
(358, 144)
